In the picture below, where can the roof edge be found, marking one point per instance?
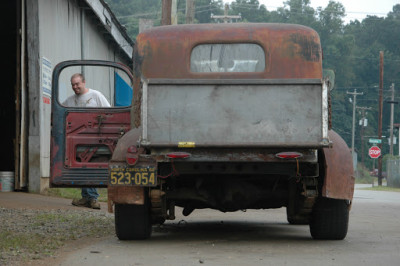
(112, 25)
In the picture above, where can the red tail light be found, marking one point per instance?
(289, 155)
(178, 155)
(132, 149)
(131, 161)
(132, 155)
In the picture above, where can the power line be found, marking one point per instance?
(209, 7)
(361, 58)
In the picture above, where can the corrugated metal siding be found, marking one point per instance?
(66, 32)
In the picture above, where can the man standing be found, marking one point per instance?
(85, 97)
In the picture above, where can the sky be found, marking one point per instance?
(355, 9)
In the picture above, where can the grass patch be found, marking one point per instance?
(32, 234)
(74, 193)
(363, 176)
(382, 188)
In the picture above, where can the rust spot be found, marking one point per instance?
(125, 195)
(339, 179)
(307, 46)
(164, 52)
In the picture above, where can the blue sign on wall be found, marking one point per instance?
(123, 92)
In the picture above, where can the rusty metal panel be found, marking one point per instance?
(81, 148)
(83, 139)
(90, 134)
(262, 115)
(339, 173)
(256, 155)
(125, 195)
(291, 51)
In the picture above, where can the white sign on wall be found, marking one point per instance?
(45, 117)
(46, 80)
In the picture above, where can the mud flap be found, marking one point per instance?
(125, 195)
(339, 172)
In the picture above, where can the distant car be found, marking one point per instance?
(375, 173)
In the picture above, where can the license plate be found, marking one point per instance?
(133, 176)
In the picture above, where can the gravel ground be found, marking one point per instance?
(28, 235)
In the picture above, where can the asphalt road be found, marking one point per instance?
(261, 237)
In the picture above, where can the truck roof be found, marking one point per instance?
(291, 51)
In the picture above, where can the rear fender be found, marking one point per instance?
(125, 194)
(339, 172)
(130, 138)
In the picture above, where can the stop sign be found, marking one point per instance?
(374, 152)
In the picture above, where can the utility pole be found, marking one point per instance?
(225, 17)
(354, 93)
(190, 11)
(363, 124)
(166, 12)
(174, 12)
(380, 115)
(392, 103)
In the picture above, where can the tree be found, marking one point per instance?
(204, 9)
(250, 10)
(331, 20)
(129, 12)
(297, 12)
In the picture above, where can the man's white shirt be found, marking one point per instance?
(92, 98)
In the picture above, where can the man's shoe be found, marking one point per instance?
(94, 204)
(81, 202)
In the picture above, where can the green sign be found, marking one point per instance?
(375, 141)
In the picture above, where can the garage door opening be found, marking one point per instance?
(10, 95)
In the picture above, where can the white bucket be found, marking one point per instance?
(6, 181)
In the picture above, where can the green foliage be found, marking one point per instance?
(250, 10)
(45, 231)
(363, 176)
(129, 12)
(204, 9)
(382, 188)
(74, 193)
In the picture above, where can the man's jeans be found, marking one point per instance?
(89, 193)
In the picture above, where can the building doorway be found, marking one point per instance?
(10, 99)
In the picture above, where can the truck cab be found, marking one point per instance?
(229, 117)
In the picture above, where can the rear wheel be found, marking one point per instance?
(132, 221)
(330, 219)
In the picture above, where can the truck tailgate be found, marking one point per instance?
(257, 113)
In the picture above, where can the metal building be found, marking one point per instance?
(38, 35)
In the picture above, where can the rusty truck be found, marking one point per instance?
(227, 117)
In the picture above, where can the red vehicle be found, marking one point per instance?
(227, 117)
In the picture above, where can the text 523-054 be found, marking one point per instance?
(145, 178)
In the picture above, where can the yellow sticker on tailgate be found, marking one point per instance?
(186, 144)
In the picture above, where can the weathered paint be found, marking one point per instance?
(225, 115)
(339, 179)
(73, 127)
(86, 129)
(164, 52)
(125, 195)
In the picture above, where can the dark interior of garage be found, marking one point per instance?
(9, 76)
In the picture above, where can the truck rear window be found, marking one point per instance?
(239, 57)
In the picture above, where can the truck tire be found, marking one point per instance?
(329, 219)
(132, 222)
